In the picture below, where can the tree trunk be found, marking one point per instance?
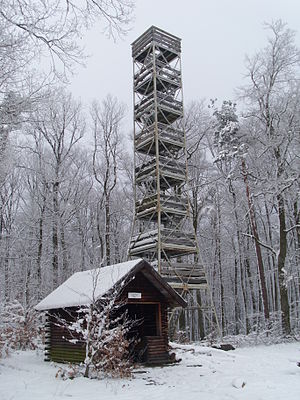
(238, 264)
(99, 234)
(55, 236)
(40, 250)
(64, 252)
(219, 264)
(284, 301)
(27, 281)
(257, 245)
(6, 270)
(296, 214)
(272, 258)
(107, 231)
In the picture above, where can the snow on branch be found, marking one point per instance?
(261, 243)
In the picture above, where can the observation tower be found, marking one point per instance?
(163, 233)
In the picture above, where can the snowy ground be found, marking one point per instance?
(254, 373)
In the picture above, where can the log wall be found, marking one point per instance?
(58, 346)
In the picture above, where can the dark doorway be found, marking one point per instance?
(147, 316)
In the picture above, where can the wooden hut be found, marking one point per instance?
(146, 296)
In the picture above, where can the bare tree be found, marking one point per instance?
(10, 197)
(47, 33)
(60, 125)
(271, 94)
(107, 118)
(49, 27)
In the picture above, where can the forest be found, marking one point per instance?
(66, 173)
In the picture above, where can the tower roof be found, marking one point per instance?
(154, 29)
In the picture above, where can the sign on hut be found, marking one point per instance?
(145, 297)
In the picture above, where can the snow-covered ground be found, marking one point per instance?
(254, 373)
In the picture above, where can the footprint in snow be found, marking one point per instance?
(238, 383)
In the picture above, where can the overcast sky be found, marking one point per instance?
(216, 35)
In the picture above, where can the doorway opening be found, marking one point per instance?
(147, 317)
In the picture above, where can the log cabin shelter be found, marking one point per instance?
(145, 295)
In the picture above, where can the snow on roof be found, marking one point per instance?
(82, 287)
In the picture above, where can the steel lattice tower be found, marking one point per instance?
(162, 232)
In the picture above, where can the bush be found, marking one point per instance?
(107, 332)
(19, 328)
(112, 358)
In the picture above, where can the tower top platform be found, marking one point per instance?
(159, 36)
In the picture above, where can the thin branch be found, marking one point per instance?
(260, 243)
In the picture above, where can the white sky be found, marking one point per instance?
(216, 35)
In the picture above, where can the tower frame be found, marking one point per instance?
(163, 232)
